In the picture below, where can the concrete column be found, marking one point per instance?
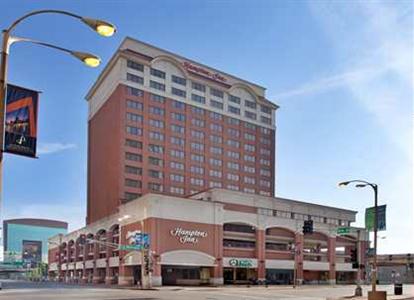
(260, 254)
(75, 274)
(332, 259)
(95, 276)
(156, 278)
(109, 278)
(299, 240)
(125, 277)
(84, 278)
(216, 274)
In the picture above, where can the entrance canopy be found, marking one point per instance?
(187, 258)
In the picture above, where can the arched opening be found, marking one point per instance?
(71, 251)
(100, 241)
(316, 259)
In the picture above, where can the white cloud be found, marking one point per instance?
(49, 148)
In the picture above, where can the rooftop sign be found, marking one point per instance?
(203, 72)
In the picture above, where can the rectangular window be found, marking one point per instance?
(196, 181)
(156, 110)
(157, 98)
(155, 148)
(216, 162)
(233, 121)
(250, 104)
(134, 117)
(176, 190)
(233, 177)
(214, 184)
(133, 183)
(265, 183)
(216, 127)
(197, 170)
(197, 158)
(178, 117)
(249, 158)
(216, 139)
(156, 187)
(178, 92)
(264, 130)
(177, 128)
(216, 104)
(177, 104)
(232, 154)
(234, 99)
(233, 165)
(265, 172)
(157, 73)
(134, 104)
(157, 85)
(233, 110)
(250, 148)
(198, 86)
(198, 98)
(197, 134)
(250, 115)
(249, 180)
(197, 146)
(177, 153)
(197, 122)
(215, 173)
(265, 141)
(265, 162)
(176, 165)
(133, 156)
(131, 196)
(248, 169)
(156, 123)
(216, 150)
(177, 141)
(155, 174)
(215, 116)
(233, 132)
(134, 130)
(233, 143)
(178, 80)
(249, 137)
(155, 161)
(197, 110)
(234, 188)
(176, 177)
(133, 144)
(249, 190)
(264, 151)
(135, 78)
(133, 170)
(249, 126)
(216, 93)
(265, 109)
(134, 65)
(134, 92)
(155, 135)
(265, 120)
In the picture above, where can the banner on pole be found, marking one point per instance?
(21, 121)
(370, 218)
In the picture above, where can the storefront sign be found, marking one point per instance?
(240, 263)
(188, 236)
(201, 71)
(137, 239)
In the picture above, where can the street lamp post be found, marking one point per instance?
(360, 184)
(102, 27)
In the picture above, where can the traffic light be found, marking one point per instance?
(147, 264)
(307, 227)
(354, 259)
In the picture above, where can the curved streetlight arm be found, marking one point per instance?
(15, 39)
(43, 11)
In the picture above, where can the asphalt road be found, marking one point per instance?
(45, 291)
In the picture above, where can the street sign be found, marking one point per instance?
(343, 230)
(130, 247)
(370, 218)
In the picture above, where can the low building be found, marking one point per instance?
(26, 240)
(213, 237)
(395, 268)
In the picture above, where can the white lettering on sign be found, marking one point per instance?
(130, 236)
(193, 68)
(188, 236)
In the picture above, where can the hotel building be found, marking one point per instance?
(161, 123)
(185, 154)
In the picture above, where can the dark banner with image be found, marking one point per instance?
(21, 121)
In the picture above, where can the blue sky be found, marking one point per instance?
(341, 73)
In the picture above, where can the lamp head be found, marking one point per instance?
(102, 27)
(87, 58)
(343, 184)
